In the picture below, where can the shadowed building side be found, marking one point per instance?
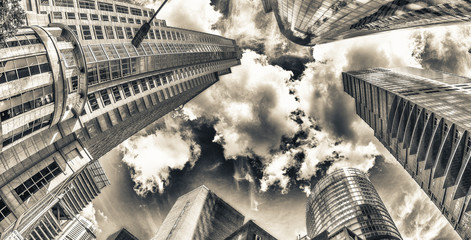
(200, 215)
(422, 117)
(250, 231)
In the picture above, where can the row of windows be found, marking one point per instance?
(145, 84)
(96, 17)
(27, 101)
(37, 181)
(19, 40)
(27, 129)
(4, 210)
(11, 70)
(89, 4)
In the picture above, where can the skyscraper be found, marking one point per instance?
(422, 117)
(310, 22)
(250, 231)
(200, 215)
(123, 234)
(347, 199)
(72, 87)
(80, 228)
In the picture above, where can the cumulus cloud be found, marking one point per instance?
(151, 157)
(444, 49)
(196, 15)
(89, 212)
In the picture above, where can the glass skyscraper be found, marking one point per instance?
(73, 87)
(345, 203)
(310, 22)
(423, 118)
(200, 215)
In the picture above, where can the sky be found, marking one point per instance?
(264, 134)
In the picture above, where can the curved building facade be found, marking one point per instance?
(347, 199)
(310, 22)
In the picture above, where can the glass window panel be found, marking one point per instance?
(104, 72)
(115, 69)
(131, 50)
(122, 9)
(119, 32)
(126, 90)
(98, 32)
(86, 33)
(105, 6)
(87, 4)
(121, 51)
(98, 52)
(110, 51)
(128, 33)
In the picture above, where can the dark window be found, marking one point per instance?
(74, 81)
(151, 33)
(116, 94)
(128, 33)
(115, 70)
(105, 97)
(119, 32)
(39, 180)
(157, 34)
(144, 85)
(57, 15)
(86, 33)
(122, 19)
(105, 6)
(122, 9)
(151, 83)
(94, 17)
(114, 19)
(130, 20)
(105, 18)
(125, 67)
(4, 210)
(93, 102)
(98, 32)
(70, 15)
(87, 4)
(127, 92)
(83, 16)
(64, 3)
(135, 11)
(135, 87)
(138, 21)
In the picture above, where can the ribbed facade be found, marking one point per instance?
(310, 22)
(347, 199)
(200, 215)
(80, 229)
(72, 87)
(423, 118)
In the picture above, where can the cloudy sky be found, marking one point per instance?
(261, 136)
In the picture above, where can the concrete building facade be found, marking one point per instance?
(250, 231)
(80, 228)
(310, 22)
(73, 87)
(345, 201)
(422, 117)
(200, 215)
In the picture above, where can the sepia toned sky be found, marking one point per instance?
(261, 136)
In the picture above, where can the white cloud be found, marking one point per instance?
(152, 157)
(89, 212)
(196, 15)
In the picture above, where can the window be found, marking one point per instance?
(70, 15)
(98, 32)
(125, 67)
(144, 85)
(145, 13)
(157, 34)
(93, 102)
(87, 4)
(104, 72)
(86, 33)
(105, 97)
(135, 87)
(57, 15)
(130, 20)
(94, 17)
(105, 6)
(44, 2)
(109, 32)
(135, 11)
(151, 33)
(74, 81)
(4, 210)
(138, 21)
(163, 35)
(83, 16)
(116, 94)
(129, 33)
(105, 18)
(151, 83)
(115, 70)
(122, 9)
(114, 19)
(39, 180)
(119, 32)
(64, 3)
(127, 92)
(122, 19)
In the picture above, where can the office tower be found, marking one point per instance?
(422, 117)
(80, 228)
(250, 231)
(123, 234)
(347, 199)
(310, 22)
(200, 214)
(73, 87)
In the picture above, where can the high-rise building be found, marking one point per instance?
(310, 22)
(423, 118)
(123, 234)
(72, 87)
(200, 215)
(80, 228)
(346, 198)
(250, 231)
